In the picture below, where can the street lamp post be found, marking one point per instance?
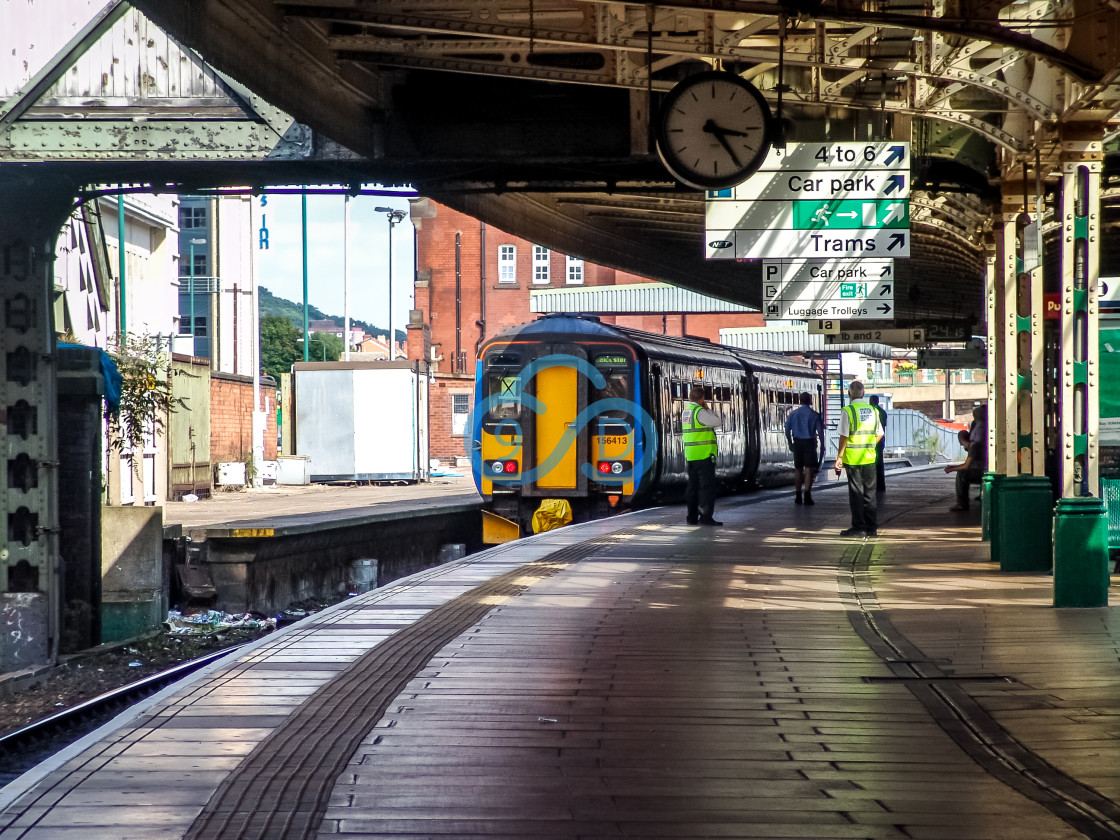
(394, 216)
(191, 285)
(322, 345)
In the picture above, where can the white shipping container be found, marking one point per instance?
(363, 421)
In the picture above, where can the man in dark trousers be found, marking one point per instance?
(860, 433)
(880, 467)
(699, 425)
(971, 471)
(804, 428)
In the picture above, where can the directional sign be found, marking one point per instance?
(816, 200)
(799, 289)
(787, 186)
(790, 271)
(813, 244)
(808, 215)
(967, 357)
(895, 337)
(845, 156)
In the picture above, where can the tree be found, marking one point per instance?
(280, 345)
(331, 342)
(145, 392)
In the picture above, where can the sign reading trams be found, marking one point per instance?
(804, 290)
(817, 201)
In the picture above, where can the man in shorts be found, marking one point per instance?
(804, 428)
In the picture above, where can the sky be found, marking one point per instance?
(280, 266)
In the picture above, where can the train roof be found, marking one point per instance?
(654, 346)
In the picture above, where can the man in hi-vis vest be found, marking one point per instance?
(699, 425)
(860, 432)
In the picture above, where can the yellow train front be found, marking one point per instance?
(558, 417)
(576, 417)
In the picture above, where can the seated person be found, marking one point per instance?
(971, 471)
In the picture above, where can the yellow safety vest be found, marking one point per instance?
(699, 440)
(862, 423)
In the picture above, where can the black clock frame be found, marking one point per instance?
(681, 172)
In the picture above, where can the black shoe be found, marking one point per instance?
(809, 499)
(707, 520)
(851, 532)
(874, 532)
(797, 499)
(692, 521)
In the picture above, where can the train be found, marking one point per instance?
(568, 407)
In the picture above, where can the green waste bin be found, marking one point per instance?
(986, 501)
(1021, 523)
(1080, 553)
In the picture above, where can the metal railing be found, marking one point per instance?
(911, 435)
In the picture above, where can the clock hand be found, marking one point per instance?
(711, 127)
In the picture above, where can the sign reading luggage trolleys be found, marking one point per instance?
(818, 201)
(810, 289)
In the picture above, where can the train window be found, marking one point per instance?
(725, 393)
(503, 360)
(505, 392)
(616, 387)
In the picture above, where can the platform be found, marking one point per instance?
(638, 677)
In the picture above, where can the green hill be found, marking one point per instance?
(272, 305)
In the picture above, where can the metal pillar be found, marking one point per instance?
(32, 211)
(1080, 521)
(1021, 501)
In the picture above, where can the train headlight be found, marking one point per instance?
(612, 467)
(502, 467)
(511, 466)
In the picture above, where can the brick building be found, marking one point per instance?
(474, 280)
(231, 417)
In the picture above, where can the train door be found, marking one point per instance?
(559, 446)
(752, 424)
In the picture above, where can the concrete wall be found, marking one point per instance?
(267, 574)
(134, 580)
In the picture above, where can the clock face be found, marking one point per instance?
(714, 130)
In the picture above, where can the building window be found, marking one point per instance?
(460, 410)
(507, 263)
(200, 265)
(575, 271)
(540, 264)
(191, 218)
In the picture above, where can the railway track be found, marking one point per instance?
(23, 749)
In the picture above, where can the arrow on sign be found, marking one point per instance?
(887, 270)
(897, 241)
(898, 154)
(771, 291)
(895, 211)
(895, 183)
(885, 308)
(885, 289)
(851, 215)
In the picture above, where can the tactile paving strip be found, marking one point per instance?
(965, 720)
(282, 788)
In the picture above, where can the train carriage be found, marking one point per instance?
(567, 407)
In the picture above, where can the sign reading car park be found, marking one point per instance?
(804, 289)
(817, 201)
